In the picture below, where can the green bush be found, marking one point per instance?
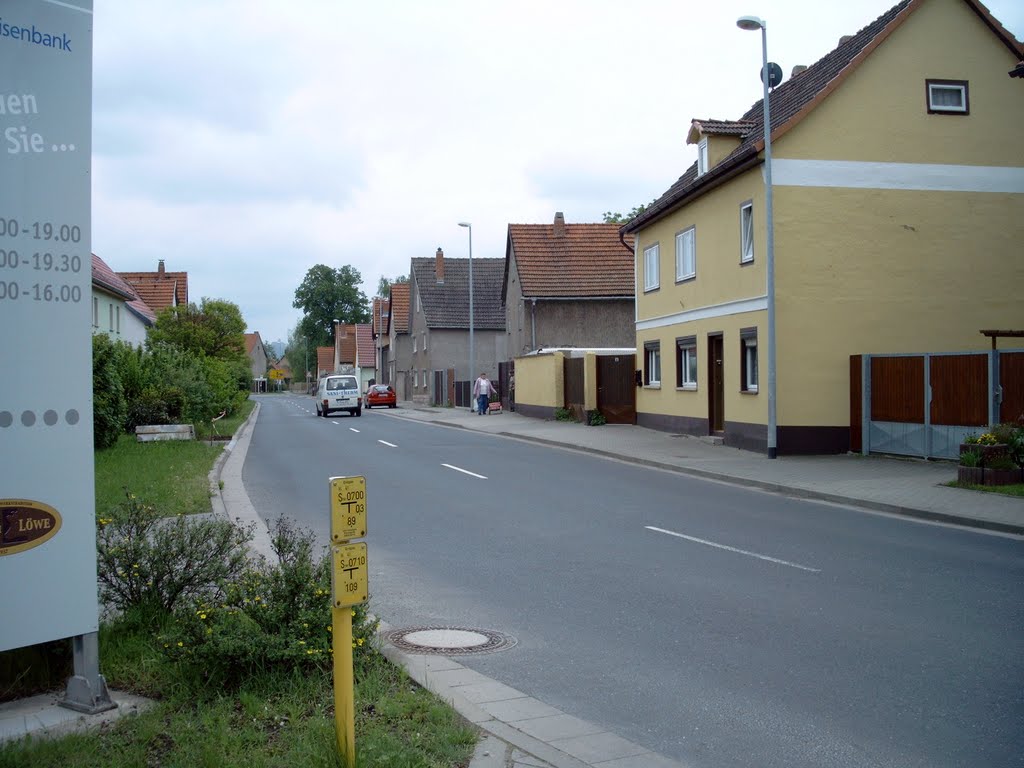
(154, 563)
(596, 418)
(564, 414)
(970, 459)
(109, 409)
(272, 615)
(1013, 436)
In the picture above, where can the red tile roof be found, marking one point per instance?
(366, 348)
(251, 340)
(722, 127)
(160, 289)
(400, 307)
(106, 279)
(588, 260)
(795, 98)
(324, 360)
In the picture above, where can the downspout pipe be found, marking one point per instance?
(533, 323)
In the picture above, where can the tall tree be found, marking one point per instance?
(384, 285)
(329, 294)
(215, 329)
(618, 218)
(301, 353)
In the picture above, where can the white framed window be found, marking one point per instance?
(686, 362)
(686, 254)
(702, 156)
(748, 360)
(746, 232)
(415, 343)
(424, 372)
(947, 97)
(95, 312)
(652, 257)
(419, 307)
(117, 318)
(424, 341)
(110, 312)
(652, 363)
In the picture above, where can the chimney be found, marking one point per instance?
(559, 230)
(439, 266)
(160, 268)
(844, 38)
(797, 70)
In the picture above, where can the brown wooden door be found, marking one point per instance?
(716, 385)
(616, 388)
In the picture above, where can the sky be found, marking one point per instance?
(245, 141)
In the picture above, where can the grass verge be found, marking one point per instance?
(277, 718)
(1017, 489)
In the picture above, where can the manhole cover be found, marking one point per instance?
(449, 641)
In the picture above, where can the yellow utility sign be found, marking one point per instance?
(276, 374)
(348, 508)
(348, 575)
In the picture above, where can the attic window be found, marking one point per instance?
(702, 156)
(947, 97)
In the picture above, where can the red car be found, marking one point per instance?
(380, 394)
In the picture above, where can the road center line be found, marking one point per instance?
(464, 471)
(733, 549)
(353, 429)
(389, 445)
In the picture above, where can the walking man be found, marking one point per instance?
(482, 390)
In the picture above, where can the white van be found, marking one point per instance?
(338, 392)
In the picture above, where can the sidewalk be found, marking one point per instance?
(908, 487)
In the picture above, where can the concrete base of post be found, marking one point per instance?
(87, 690)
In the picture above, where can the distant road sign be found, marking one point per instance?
(276, 374)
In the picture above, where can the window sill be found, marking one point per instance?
(652, 290)
(653, 386)
(687, 388)
(687, 279)
(749, 391)
(746, 263)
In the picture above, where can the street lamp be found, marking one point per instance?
(751, 23)
(472, 362)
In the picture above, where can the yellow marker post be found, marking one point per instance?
(349, 587)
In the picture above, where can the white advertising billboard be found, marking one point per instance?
(47, 515)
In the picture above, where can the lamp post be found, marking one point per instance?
(472, 362)
(751, 23)
(305, 344)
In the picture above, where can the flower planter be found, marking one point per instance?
(1002, 476)
(970, 475)
(987, 452)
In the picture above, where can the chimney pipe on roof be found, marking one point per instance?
(559, 225)
(798, 69)
(160, 267)
(439, 265)
(844, 38)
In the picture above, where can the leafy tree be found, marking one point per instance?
(327, 294)
(300, 353)
(384, 285)
(109, 408)
(215, 328)
(618, 218)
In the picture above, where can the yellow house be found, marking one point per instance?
(898, 187)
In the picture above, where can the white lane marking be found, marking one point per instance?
(733, 549)
(389, 445)
(464, 471)
(353, 429)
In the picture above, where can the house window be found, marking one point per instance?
(702, 157)
(110, 312)
(424, 372)
(95, 312)
(117, 318)
(947, 97)
(419, 308)
(651, 279)
(686, 362)
(686, 254)
(652, 363)
(748, 360)
(415, 344)
(746, 233)
(424, 341)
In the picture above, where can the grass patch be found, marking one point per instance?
(229, 424)
(1017, 489)
(170, 475)
(277, 718)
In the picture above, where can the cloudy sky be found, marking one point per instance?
(244, 141)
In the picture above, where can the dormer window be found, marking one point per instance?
(702, 156)
(947, 97)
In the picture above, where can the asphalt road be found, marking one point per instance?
(717, 625)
